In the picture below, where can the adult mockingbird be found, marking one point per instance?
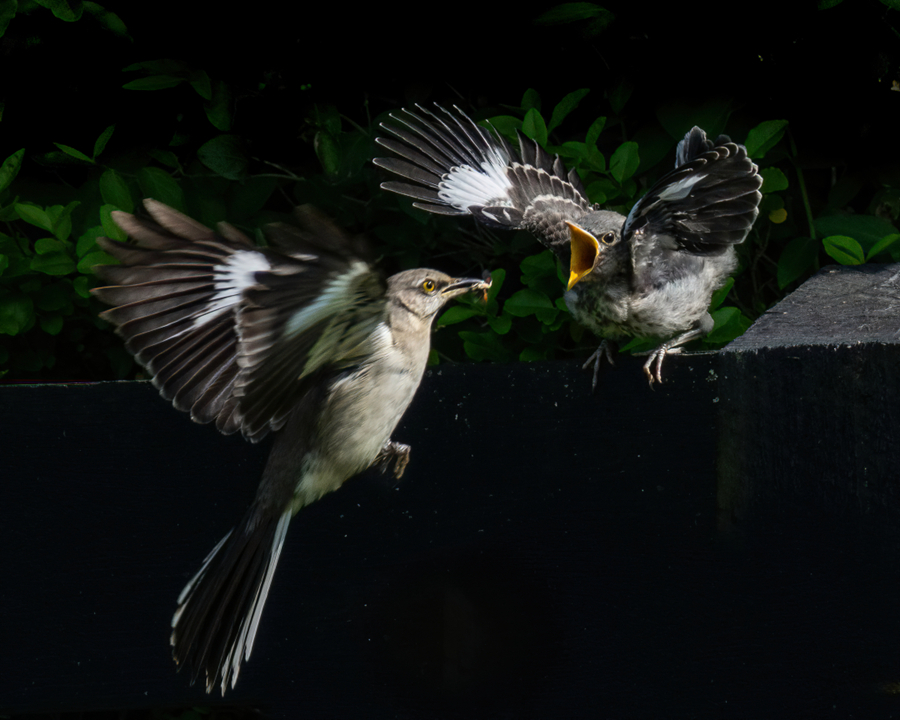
(303, 338)
(651, 274)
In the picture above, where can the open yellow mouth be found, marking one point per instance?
(585, 250)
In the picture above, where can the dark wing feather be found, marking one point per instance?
(701, 207)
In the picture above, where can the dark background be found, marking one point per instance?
(828, 71)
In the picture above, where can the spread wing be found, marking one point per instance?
(703, 206)
(235, 333)
(457, 167)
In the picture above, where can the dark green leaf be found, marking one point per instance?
(100, 142)
(455, 314)
(531, 302)
(595, 159)
(678, 117)
(566, 106)
(764, 137)
(73, 152)
(531, 100)
(727, 325)
(539, 271)
(773, 180)
(225, 155)
(574, 150)
(500, 325)
(163, 66)
(719, 295)
(61, 217)
(4, 263)
(114, 191)
(165, 157)
(867, 230)
(110, 229)
(596, 17)
(498, 277)
(797, 258)
(483, 346)
(328, 152)
(506, 125)
(109, 20)
(158, 184)
(532, 354)
(51, 324)
(88, 262)
(68, 10)
(624, 161)
(82, 286)
(218, 108)
(16, 314)
(593, 133)
(844, 249)
(35, 216)
(200, 81)
(51, 258)
(88, 240)
(7, 13)
(153, 82)
(639, 344)
(249, 197)
(534, 127)
(10, 168)
(601, 191)
(882, 245)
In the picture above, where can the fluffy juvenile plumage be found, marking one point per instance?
(304, 338)
(650, 274)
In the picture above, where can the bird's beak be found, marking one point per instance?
(585, 250)
(460, 286)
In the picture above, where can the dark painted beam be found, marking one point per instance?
(810, 417)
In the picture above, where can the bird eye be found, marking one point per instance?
(428, 286)
(608, 238)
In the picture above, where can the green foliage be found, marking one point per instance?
(66, 10)
(212, 169)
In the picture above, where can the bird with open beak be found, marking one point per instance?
(303, 339)
(650, 274)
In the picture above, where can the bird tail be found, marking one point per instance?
(218, 612)
(460, 168)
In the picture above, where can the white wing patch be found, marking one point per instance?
(234, 276)
(464, 186)
(681, 189)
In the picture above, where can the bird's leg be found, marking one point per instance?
(604, 350)
(670, 347)
(395, 452)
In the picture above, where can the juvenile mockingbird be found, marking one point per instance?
(651, 274)
(303, 338)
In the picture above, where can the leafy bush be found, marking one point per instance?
(215, 168)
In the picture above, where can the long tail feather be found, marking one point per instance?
(218, 613)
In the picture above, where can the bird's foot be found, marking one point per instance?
(656, 357)
(604, 350)
(396, 453)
